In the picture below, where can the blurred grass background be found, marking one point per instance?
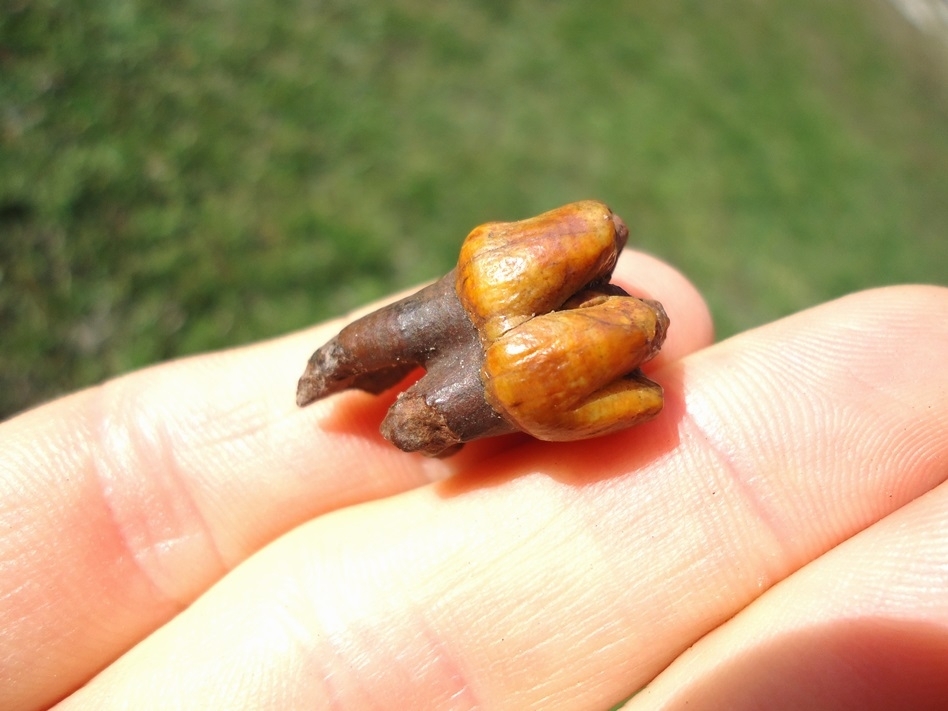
(181, 176)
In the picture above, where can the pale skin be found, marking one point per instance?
(186, 537)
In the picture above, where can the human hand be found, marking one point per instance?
(185, 537)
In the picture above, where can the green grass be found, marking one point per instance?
(181, 176)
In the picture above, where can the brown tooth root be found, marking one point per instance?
(378, 350)
(526, 334)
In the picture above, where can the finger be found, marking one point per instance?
(567, 576)
(863, 627)
(122, 503)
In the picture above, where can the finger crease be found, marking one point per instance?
(720, 450)
(156, 518)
